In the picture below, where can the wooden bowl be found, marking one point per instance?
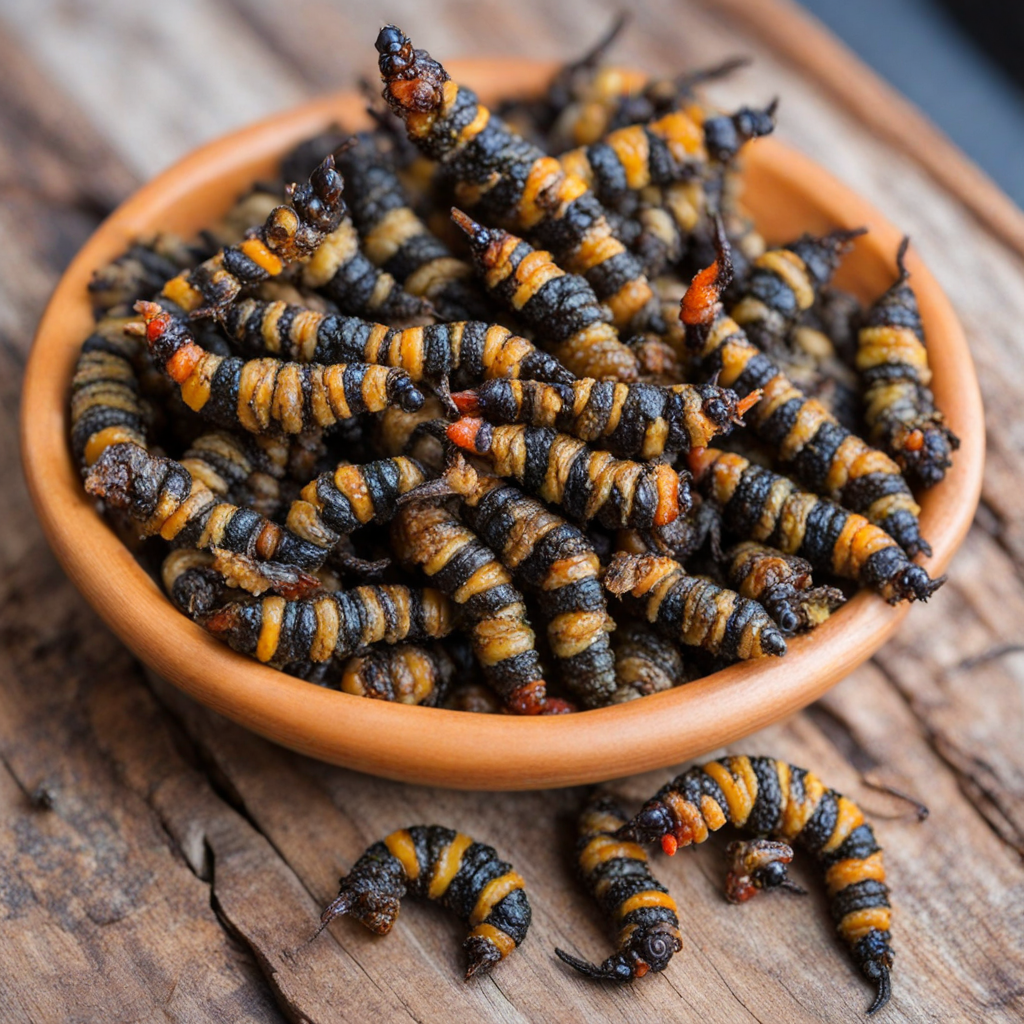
(787, 194)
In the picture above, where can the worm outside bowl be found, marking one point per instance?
(787, 194)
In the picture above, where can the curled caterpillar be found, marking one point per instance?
(564, 471)
(756, 865)
(763, 796)
(561, 308)
(268, 395)
(899, 407)
(782, 584)
(337, 502)
(455, 560)
(783, 283)
(291, 234)
(396, 240)
(552, 560)
(328, 625)
(763, 506)
(405, 674)
(637, 904)
(639, 421)
(509, 180)
(805, 437)
(692, 610)
(450, 868)
(467, 351)
(644, 663)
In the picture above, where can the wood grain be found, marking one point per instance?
(178, 873)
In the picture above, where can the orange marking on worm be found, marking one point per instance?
(669, 844)
(463, 433)
(748, 403)
(466, 402)
(698, 304)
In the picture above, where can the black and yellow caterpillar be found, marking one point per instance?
(560, 308)
(781, 584)
(450, 868)
(645, 663)
(638, 421)
(760, 505)
(804, 436)
(140, 272)
(554, 561)
(588, 484)
(692, 610)
(331, 624)
(772, 798)
(509, 180)
(638, 906)
(404, 674)
(291, 234)
(268, 395)
(468, 352)
(395, 239)
(453, 558)
(899, 407)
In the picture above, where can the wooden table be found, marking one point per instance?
(174, 870)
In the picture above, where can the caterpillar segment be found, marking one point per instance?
(561, 308)
(403, 674)
(191, 581)
(336, 624)
(510, 181)
(453, 558)
(899, 407)
(464, 352)
(765, 797)
(140, 272)
(784, 283)
(556, 563)
(656, 359)
(645, 663)
(587, 484)
(395, 239)
(447, 867)
(267, 395)
(166, 500)
(290, 234)
(637, 421)
(337, 502)
(756, 865)
(760, 505)
(781, 584)
(680, 539)
(692, 610)
(639, 908)
(805, 438)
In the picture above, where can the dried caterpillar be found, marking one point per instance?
(404, 674)
(562, 308)
(645, 663)
(805, 437)
(467, 351)
(564, 471)
(639, 907)
(455, 560)
(899, 407)
(450, 868)
(243, 470)
(692, 610)
(640, 421)
(267, 395)
(509, 180)
(763, 796)
(760, 505)
(554, 561)
(781, 584)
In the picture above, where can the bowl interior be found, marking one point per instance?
(787, 195)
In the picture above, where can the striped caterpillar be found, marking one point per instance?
(805, 437)
(447, 867)
(899, 407)
(564, 471)
(509, 180)
(632, 421)
(637, 904)
(766, 797)
(763, 506)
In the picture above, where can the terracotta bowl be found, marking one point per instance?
(786, 193)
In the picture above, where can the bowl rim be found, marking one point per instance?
(432, 745)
